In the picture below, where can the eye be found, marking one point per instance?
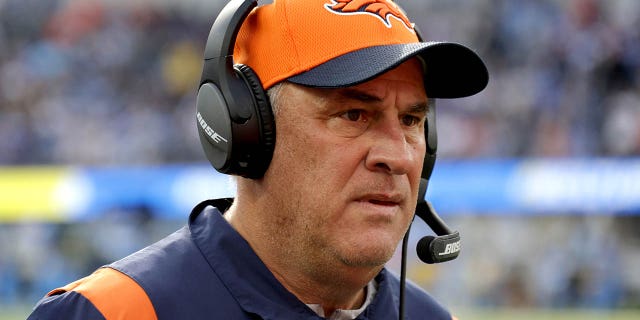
(354, 115)
(350, 123)
(410, 120)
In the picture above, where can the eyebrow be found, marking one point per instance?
(358, 95)
(422, 107)
(362, 96)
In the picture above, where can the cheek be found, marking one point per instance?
(294, 167)
(310, 151)
(314, 170)
(295, 153)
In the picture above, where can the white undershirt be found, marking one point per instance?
(339, 314)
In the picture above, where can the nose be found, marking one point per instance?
(390, 150)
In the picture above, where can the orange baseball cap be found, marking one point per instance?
(340, 43)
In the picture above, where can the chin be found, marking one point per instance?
(368, 256)
(366, 262)
(368, 245)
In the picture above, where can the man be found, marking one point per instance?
(308, 238)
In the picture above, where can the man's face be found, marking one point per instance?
(344, 177)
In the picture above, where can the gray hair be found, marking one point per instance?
(274, 96)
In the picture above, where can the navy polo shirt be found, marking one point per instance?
(206, 270)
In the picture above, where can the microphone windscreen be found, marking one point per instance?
(423, 250)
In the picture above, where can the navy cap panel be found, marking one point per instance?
(453, 70)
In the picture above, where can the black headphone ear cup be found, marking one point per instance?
(214, 126)
(261, 158)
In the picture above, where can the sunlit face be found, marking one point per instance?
(344, 177)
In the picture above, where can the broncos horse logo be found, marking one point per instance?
(382, 9)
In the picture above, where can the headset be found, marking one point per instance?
(235, 121)
(237, 129)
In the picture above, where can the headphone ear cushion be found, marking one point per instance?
(267, 126)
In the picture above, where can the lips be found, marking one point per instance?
(382, 199)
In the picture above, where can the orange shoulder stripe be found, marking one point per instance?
(114, 294)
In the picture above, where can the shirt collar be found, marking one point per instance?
(349, 314)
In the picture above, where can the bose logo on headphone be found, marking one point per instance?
(207, 129)
(451, 248)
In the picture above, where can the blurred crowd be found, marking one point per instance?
(78, 78)
(564, 77)
(94, 83)
(83, 83)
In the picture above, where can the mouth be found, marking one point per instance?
(380, 207)
(383, 203)
(383, 200)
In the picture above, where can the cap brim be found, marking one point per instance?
(452, 70)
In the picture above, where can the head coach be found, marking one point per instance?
(324, 110)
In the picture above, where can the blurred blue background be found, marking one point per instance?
(99, 155)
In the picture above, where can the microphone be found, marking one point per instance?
(443, 247)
